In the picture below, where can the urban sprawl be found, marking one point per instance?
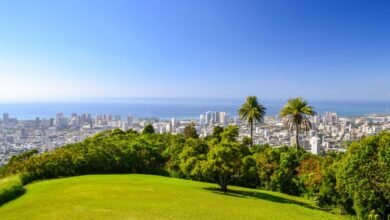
(329, 131)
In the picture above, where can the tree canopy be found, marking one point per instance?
(148, 129)
(295, 114)
(252, 112)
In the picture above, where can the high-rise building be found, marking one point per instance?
(219, 117)
(226, 119)
(315, 145)
(210, 118)
(168, 127)
(130, 120)
(5, 118)
(63, 123)
(174, 123)
(202, 119)
(330, 118)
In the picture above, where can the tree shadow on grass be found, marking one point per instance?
(261, 195)
(11, 194)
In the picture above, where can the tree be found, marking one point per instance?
(223, 162)
(230, 134)
(252, 112)
(217, 132)
(190, 131)
(365, 175)
(148, 129)
(194, 151)
(224, 159)
(295, 114)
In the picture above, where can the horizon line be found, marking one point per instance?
(77, 99)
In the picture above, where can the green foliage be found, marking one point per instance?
(10, 188)
(224, 159)
(193, 153)
(190, 131)
(278, 169)
(248, 173)
(223, 162)
(365, 175)
(148, 129)
(23, 156)
(252, 112)
(230, 134)
(107, 152)
(295, 114)
(217, 131)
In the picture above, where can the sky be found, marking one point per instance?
(318, 49)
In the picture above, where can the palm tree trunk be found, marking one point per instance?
(251, 123)
(297, 136)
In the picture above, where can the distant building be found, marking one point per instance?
(315, 144)
(5, 118)
(236, 120)
(330, 118)
(210, 118)
(63, 123)
(168, 128)
(174, 123)
(130, 120)
(202, 120)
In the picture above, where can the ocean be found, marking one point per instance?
(177, 108)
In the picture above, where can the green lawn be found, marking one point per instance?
(152, 197)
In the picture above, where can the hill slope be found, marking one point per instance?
(152, 197)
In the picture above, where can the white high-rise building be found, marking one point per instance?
(315, 143)
(210, 118)
(202, 119)
(174, 123)
(168, 128)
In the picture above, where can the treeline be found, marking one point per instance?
(354, 182)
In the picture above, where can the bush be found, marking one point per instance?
(365, 175)
(107, 152)
(10, 188)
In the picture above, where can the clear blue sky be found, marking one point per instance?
(202, 48)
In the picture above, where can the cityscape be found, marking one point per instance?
(329, 131)
(195, 110)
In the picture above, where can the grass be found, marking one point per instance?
(152, 197)
(10, 188)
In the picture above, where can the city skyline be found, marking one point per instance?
(329, 50)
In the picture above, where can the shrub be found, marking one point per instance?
(10, 188)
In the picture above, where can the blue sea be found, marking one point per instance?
(178, 108)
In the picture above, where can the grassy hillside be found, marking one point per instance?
(152, 197)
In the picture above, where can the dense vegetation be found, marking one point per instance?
(10, 188)
(355, 182)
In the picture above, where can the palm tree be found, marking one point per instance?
(295, 114)
(252, 111)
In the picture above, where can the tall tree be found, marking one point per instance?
(148, 129)
(252, 112)
(190, 131)
(296, 114)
